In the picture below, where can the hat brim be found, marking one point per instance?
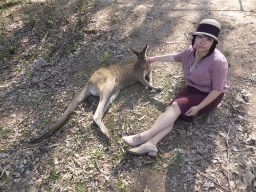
(206, 34)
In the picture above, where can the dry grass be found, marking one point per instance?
(76, 37)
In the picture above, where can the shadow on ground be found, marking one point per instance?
(78, 157)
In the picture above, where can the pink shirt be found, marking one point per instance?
(209, 74)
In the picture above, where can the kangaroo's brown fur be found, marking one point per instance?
(107, 83)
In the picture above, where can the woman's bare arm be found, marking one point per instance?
(163, 58)
(210, 98)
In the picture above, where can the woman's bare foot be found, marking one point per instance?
(133, 140)
(143, 149)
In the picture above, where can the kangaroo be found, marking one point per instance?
(107, 83)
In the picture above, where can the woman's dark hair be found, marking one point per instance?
(211, 49)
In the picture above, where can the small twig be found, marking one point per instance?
(160, 155)
(203, 175)
(47, 84)
(97, 165)
(119, 164)
(43, 40)
(173, 42)
(186, 35)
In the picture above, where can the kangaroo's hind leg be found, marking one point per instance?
(104, 102)
(111, 98)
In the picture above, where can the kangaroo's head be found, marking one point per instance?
(141, 57)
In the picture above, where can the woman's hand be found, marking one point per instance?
(210, 98)
(149, 61)
(192, 111)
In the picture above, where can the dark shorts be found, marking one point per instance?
(190, 97)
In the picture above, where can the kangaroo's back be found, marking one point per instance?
(122, 75)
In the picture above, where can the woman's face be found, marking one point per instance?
(203, 43)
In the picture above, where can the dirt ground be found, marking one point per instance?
(49, 49)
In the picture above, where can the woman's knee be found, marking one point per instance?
(174, 106)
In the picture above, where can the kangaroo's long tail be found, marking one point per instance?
(81, 96)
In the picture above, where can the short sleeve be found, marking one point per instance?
(179, 57)
(219, 75)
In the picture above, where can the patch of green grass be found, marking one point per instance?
(94, 3)
(179, 86)
(4, 130)
(17, 68)
(121, 185)
(3, 147)
(116, 156)
(44, 122)
(105, 59)
(227, 53)
(151, 169)
(84, 74)
(49, 97)
(167, 81)
(116, 17)
(6, 133)
(8, 51)
(126, 121)
(98, 154)
(175, 165)
(46, 56)
(54, 175)
(25, 132)
(30, 74)
(81, 186)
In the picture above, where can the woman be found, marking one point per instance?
(205, 71)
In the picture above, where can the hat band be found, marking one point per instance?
(210, 29)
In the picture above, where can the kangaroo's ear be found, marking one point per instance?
(136, 52)
(144, 49)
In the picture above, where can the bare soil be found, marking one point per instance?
(49, 49)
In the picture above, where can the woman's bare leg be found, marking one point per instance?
(151, 137)
(150, 146)
(164, 121)
(157, 137)
(162, 126)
